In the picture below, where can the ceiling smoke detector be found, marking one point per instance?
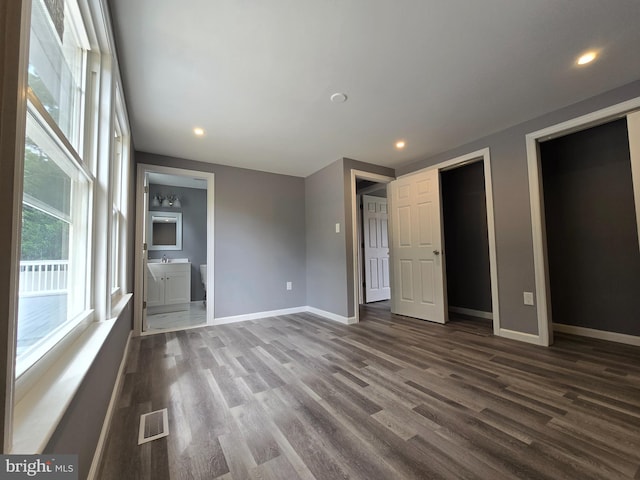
(339, 97)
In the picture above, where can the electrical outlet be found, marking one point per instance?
(289, 286)
(528, 298)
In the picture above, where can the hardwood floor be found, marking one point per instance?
(299, 396)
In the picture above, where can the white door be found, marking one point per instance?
(416, 247)
(376, 249)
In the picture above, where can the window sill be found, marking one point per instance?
(38, 413)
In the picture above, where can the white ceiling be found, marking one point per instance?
(257, 75)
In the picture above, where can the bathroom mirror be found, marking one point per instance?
(164, 231)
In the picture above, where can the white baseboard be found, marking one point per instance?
(115, 393)
(257, 315)
(471, 312)
(522, 337)
(332, 316)
(600, 334)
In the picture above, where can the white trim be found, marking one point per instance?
(260, 315)
(257, 315)
(332, 316)
(106, 425)
(520, 336)
(600, 334)
(142, 170)
(355, 246)
(633, 129)
(545, 330)
(471, 312)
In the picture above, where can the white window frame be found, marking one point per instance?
(33, 365)
(40, 399)
(119, 181)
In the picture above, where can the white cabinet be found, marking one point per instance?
(168, 286)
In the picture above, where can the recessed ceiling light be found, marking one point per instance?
(339, 97)
(400, 144)
(587, 58)
(198, 131)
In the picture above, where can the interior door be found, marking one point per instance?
(416, 247)
(376, 248)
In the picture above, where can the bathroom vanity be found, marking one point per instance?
(168, 285)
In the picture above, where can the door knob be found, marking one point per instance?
(436, 252)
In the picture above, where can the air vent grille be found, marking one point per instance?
(153, 425)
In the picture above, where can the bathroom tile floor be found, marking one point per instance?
(196, 315)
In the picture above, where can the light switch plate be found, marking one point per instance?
(528, 298)
(337, 228)
(289, 286)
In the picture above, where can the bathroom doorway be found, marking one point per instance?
(174, 254)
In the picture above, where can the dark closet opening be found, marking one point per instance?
(464, 208)
(591, 232)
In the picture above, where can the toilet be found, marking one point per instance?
(203, 279)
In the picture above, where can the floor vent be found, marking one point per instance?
(153, 425)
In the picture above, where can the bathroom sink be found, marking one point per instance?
(169, 260)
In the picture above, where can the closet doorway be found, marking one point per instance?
(585, 199)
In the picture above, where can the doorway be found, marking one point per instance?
(174, 249)
(466, 243)
(417, 242)
(591, 231)
(627, 112)
(363, 182)
(373, 241)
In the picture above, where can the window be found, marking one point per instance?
(73, 266)
(54, 288)
(119, 180)
(57, 60)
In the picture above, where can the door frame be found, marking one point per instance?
(357, 284)
(536, 200)
(472, 157)
(141, 208)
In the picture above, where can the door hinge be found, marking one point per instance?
(144, 247)
(146, 189)
(144, 304)
(362, 244)
(361, 207)
(364, 284)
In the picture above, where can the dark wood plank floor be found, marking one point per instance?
(390, 398)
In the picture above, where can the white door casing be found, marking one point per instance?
(145, 252)
(376, 248)
(633, 128)
(416, 247)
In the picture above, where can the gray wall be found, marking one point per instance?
(466, 249)
(194, 230)
(326, 255)
(592, 236)
(330, 254)
(259, 237)
(511, 201)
